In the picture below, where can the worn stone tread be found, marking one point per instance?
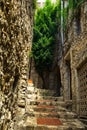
(49, 121)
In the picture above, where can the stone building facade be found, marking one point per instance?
(16, 19)
(73, 65)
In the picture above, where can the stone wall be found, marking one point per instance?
(15, 44)
(79, 57)
(75, 54)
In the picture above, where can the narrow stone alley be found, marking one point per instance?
(60, 67)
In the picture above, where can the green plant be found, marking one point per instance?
(45, 28)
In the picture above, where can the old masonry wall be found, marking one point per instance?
(74, 58)
(16, 19)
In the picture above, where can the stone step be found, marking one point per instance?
(46, 114)
(48, 121)
(51, 98)
(74, 123)
(67, 115)
(41, 93)
(48, 102)
(46, 127)
(84, 120)
(50, 127)
(48, 108)
(45, 92)
(62, 115)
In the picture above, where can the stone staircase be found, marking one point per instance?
(47, 112)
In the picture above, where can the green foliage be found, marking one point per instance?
(45, 28)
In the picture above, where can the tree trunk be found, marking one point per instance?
(45, 79)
